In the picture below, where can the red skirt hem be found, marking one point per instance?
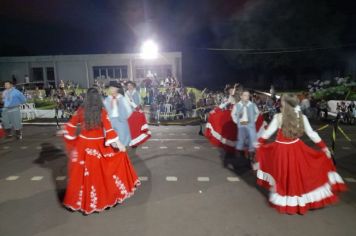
(117, 201)
(291, 210)
(148, 136)
(217, 143)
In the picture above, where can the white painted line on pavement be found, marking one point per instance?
(24, 147)
(171, 178)
(5, 147)
(39, 148)
(346, 148)
(60, 178)
(163, 147)
(196, 147)
(179, 147)
(12, 178)
(171, 134)
(233, 179)
(350, 180)
(36, 178)
(145, 147)
(203, 179)
(143, 178)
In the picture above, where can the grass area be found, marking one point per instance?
(47, 107)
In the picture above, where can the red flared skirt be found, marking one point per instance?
(299, 178)
(99, 176)
(139, 129)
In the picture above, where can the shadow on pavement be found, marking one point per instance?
(144, 191)
(241, 167)
(54, 159)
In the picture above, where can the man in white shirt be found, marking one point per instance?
(305, 106)
(132, 95)
(119, 111)
(245, 114)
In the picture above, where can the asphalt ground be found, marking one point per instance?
(188, 188)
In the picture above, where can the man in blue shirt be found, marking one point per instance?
(11, 115)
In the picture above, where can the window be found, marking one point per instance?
(110, 72)
(124, 74)
(50, 73)
(159, 71)
(96, 72)
(37, 74)
(103, 73)
(50, 76)
(117, 73)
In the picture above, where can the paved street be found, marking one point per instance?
(186, 190)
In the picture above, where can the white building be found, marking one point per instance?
(84, 69)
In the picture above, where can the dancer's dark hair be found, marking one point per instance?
(92, 106)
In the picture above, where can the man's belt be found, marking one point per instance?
(243, 122)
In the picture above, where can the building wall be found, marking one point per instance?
(79, 68)
(18, 69)
(73, 71)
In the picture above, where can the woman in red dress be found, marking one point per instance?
(100, 172)
(139, 129)
(298, 177)
(220, 128)
(221, 131)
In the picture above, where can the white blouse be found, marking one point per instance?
(276, 123)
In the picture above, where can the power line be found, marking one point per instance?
(278, 50)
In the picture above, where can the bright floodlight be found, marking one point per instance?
(149, 50)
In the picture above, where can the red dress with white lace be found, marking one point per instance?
(99, 175)
(139, 130)
(298, 177)
(221, 131)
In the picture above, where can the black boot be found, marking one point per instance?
(18, 134)
(251, 156)
(201, 130)
(242, 154)
(252, 159)
(8, 133)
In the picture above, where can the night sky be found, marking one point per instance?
(102, 26)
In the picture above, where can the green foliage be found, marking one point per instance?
(340, 92)
(43, 104)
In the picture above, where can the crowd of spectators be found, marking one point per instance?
(168, 96)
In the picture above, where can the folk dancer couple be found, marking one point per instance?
(126, 115)
(235, 125)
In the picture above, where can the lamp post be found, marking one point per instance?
(149, 50)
